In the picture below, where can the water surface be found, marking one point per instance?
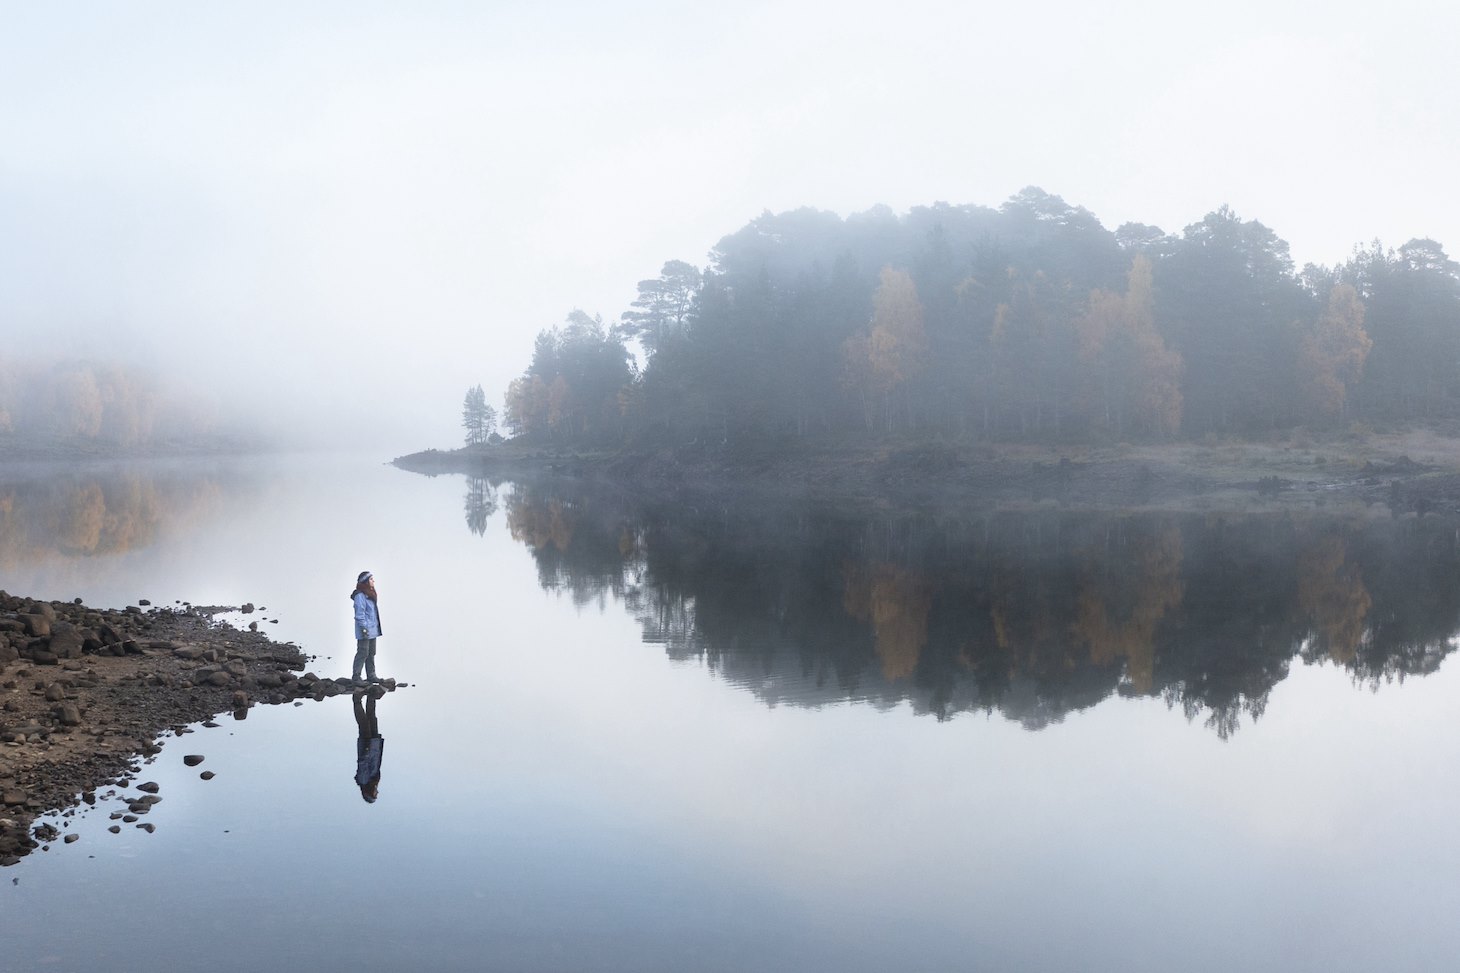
(732, 736)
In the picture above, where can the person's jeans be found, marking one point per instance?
(364, 656)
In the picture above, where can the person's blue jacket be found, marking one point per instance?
(367, 616)
(368, 756)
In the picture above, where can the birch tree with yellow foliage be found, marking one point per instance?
(1133, 379)
(1331, 354)
(882, 362)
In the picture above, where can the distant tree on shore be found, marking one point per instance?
(571, 390)
(1333, 351)
(882, 362)
(1134, 379)
(664, 306)
(477, 417)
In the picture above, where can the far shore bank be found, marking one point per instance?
(1415, 471)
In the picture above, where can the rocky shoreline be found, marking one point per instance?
(86, 692)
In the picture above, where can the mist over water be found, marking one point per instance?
(735, 737)
(303, 210)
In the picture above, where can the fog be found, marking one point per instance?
(332, 222)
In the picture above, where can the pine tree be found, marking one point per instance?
(474, 416)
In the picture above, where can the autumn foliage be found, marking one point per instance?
(1027, 323)
(1035, 614)
(82, 402)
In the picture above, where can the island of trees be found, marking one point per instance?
(1031, 322)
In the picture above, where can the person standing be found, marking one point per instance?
(367, 625)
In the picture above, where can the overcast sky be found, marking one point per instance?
(324, 207)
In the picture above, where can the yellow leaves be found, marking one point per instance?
(897, 603)
(1331, 592)
(80, 518)
(894, 349)
(1133, 376)
(528, 405)
(899, 345)
(78, 530)
(1117, 616)
(558, 402)
(539, 525)
(1331, 354)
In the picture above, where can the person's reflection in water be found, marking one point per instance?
(370, 747)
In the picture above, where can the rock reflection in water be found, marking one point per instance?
(1032, 615)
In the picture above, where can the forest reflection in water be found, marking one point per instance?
(50, 514)
(1028, 614)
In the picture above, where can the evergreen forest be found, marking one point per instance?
(1030, 322)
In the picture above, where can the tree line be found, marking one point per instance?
(79, 402)
(1026, 322)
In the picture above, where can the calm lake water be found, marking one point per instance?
(756, 736)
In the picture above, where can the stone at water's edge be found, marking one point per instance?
(85, 692)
